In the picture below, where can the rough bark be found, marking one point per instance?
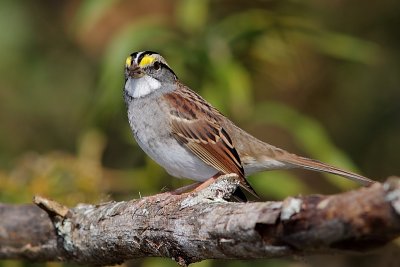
(202, 225)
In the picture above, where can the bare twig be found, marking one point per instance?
(193, 227)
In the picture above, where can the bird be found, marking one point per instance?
(190, 138)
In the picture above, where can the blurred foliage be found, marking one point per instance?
(317, 78)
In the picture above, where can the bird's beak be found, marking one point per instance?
(132, 70)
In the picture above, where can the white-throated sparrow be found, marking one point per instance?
(187, 136)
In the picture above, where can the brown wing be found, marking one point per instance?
(209, 142)
(196, 125)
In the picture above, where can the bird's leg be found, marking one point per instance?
(206, 183)
(185, 188)
(195, 187)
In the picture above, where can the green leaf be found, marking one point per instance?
(192, 15)
(309, 135)
(278, 184)
(89, 12)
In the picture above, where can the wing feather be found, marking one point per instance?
(197, 126)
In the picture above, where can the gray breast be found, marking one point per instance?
(148, 118)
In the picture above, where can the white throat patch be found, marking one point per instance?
(142, 86)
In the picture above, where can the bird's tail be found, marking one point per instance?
(314, 165)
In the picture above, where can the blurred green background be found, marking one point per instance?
(318, 78)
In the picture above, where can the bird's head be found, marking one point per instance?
(147, 72)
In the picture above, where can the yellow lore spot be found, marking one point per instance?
(146, 60)
(128, 61)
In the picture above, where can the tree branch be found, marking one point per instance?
(194, 227)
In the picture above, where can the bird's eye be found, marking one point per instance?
(157, 65)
